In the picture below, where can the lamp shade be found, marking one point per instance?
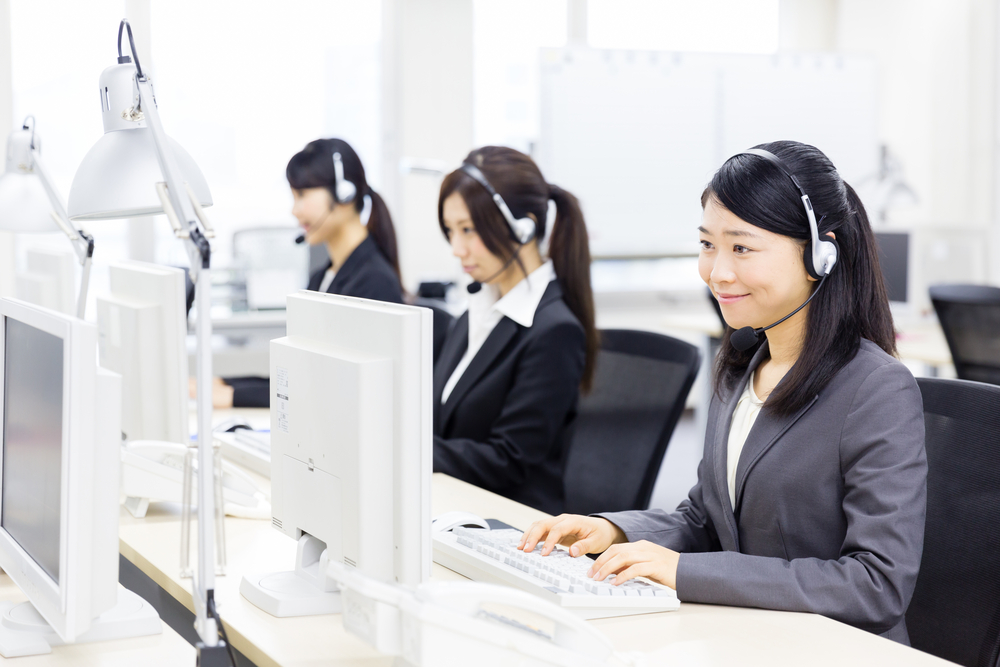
(118, 177)
(24, 204)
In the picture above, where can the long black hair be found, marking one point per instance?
(853, 303)
(312, 167)
(518, 180)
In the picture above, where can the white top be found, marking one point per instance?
(486, 309)
(327, 279)
(745, 414)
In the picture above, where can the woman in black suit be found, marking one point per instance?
(509, 375)
(336, 207)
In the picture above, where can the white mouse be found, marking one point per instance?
(445, 522)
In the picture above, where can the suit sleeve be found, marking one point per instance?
(379, 286)
(884, 467)
(688, 528)
(545, 389)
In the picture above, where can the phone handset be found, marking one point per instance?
(572, 634)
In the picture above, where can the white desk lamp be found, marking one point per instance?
(29, 201)
(136, 170)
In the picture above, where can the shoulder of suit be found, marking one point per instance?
(871, 357)
(554, 312)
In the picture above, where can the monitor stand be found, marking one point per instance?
(23, 631)
(307, 591)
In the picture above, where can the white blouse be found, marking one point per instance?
(487, 308)
(745, 414)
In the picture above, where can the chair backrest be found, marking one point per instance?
(955, 611)
(623, 426)
(443, 321)
(970, 318)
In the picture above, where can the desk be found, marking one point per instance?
(697, 634)
(164, 650)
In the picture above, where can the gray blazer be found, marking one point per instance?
(830, 503)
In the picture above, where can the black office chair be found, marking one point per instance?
(955, 611)
(624, 425)
(970, 317)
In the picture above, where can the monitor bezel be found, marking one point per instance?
(62, 604)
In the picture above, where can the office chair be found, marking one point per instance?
(623, 426)
(970, 318)
(955, 611)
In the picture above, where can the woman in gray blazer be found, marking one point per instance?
(811, 490)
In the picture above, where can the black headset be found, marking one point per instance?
(523, 229)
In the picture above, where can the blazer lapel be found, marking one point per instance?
(766, 431)
(720, 459)
(497, 341)
(452, 352)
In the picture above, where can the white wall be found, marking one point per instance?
(427, 115)
(6, 125)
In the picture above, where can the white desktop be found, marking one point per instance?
(351, 457)
(49, 280)
(58, 487)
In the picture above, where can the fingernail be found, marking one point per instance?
(573, 552)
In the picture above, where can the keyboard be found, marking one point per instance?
(250, 449)
(492, 556)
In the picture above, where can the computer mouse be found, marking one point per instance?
(445, 522)
(232, 425)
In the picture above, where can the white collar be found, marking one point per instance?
(521, 302)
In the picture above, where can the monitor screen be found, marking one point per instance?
(894, 256)
(32, 442)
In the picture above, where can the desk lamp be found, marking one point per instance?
(29, 201)
(136, 170)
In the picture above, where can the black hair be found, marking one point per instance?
(517, 179)
(853, 303)
(312, 167)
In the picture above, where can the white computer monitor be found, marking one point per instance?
(142, 335)
(351, 447)
(49, 280)
(59, 486)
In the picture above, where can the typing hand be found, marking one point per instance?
(582, 534)
(637, 559)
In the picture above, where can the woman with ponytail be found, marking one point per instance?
(510, 372)
(812, 487)
(336, 207)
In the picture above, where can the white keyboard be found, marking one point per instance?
(251, 449)
(492, 556)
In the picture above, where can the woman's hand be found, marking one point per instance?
(586, 534)
(222, 393)
(637, 559)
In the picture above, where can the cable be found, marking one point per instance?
(124, 25)
(222, 629)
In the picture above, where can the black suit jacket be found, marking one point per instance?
(366, 274)
(507, 424)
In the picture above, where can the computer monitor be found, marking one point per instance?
(351, 439)
(142, 336)
(49, 280)
(59, 486)
(894, 258)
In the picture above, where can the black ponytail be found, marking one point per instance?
(383, 232)
(569, 248)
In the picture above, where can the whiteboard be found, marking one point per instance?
(636, 135)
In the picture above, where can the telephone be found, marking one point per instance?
(154, 470)
(443, 623)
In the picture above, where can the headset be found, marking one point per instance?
(344, 190)
(819, 256)
(523, 229)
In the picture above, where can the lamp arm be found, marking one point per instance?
(82, 242)
(200, 253)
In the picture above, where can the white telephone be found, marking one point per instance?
(454, 622)
(154, 470)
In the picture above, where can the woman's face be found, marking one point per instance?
(318, 215)
(466, 244)
(757, 276)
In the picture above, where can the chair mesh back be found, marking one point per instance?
(624, 425)
(955, 612)
(970, 317)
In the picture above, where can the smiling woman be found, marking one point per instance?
(811, 491)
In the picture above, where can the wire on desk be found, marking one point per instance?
(222, 629)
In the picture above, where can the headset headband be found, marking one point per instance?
(523, 229)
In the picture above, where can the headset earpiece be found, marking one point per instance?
(344, 190)
(828, 253)
(522, 229)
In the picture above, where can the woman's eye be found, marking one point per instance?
(706, 245)
(741, 249)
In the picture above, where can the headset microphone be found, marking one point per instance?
(476, 285)
(300, 239)
(746, 337)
